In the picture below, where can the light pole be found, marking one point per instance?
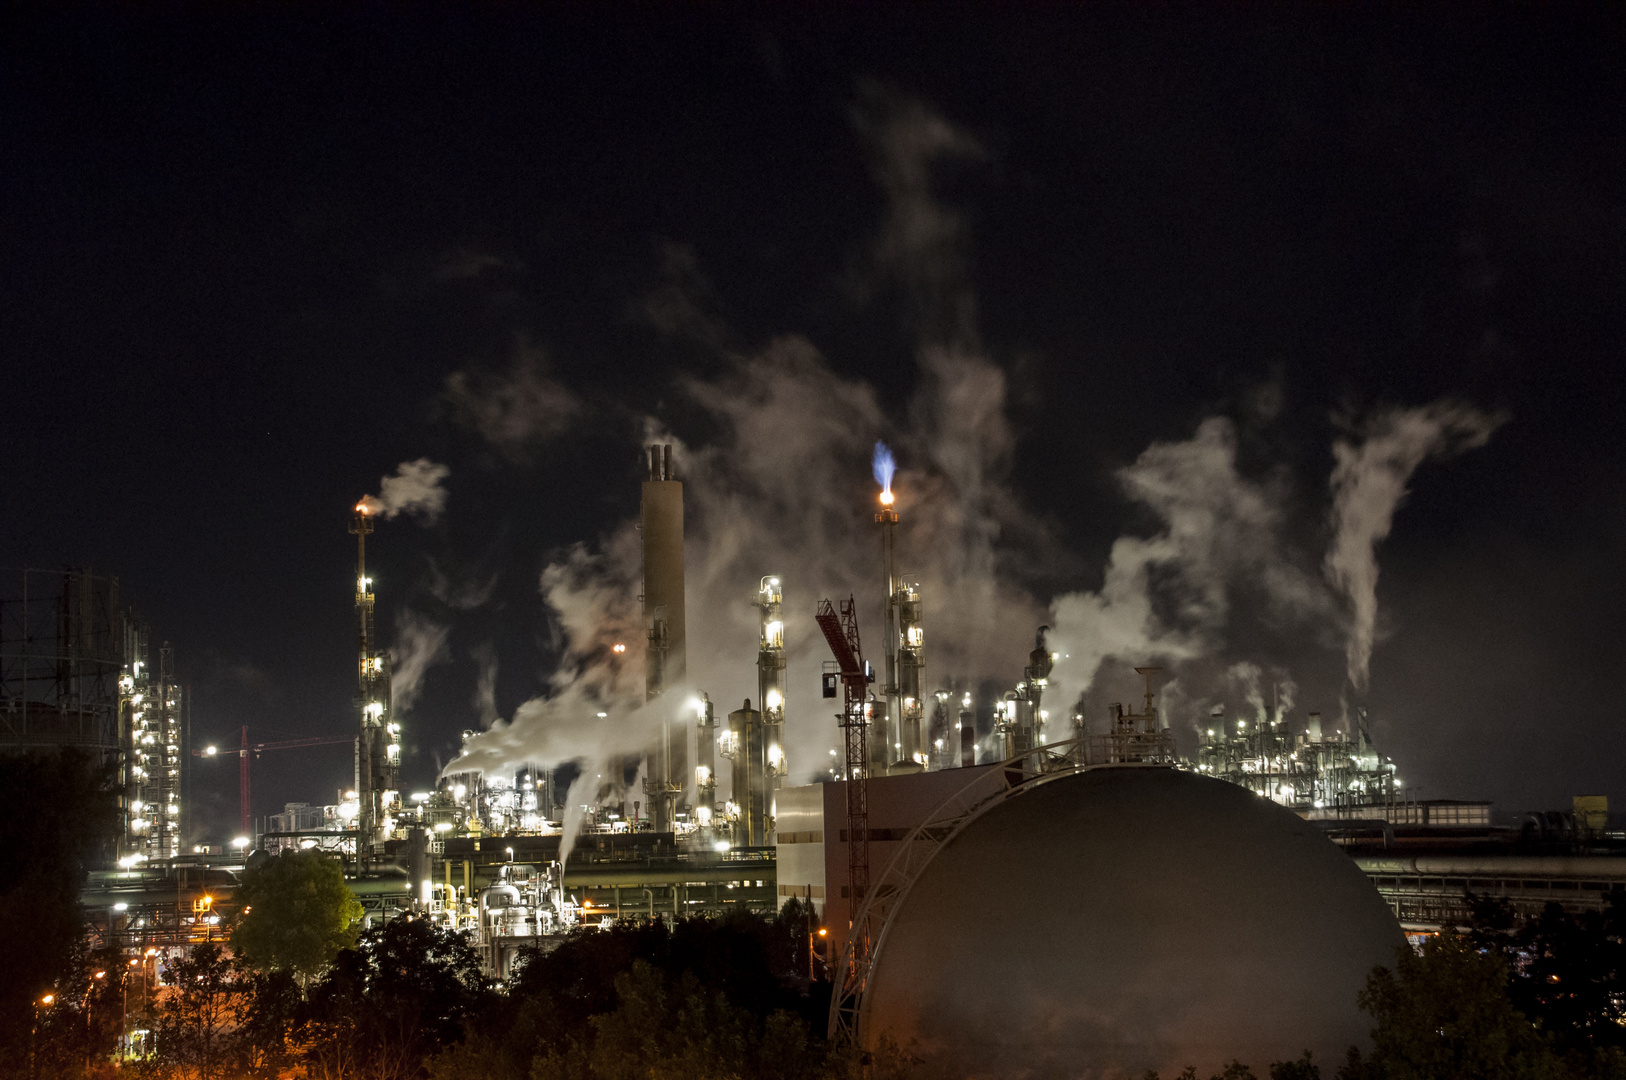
(34, 1034)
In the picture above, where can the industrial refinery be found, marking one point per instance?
(515, 860)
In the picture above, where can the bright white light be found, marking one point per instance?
(239, 842)
(420, 796)
(720, 846)
(775, 699)
(121, 906)
(602, 715)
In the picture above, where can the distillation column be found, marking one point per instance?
(705, 770)
(771, 692)
(153, 758)
(748, 805)
(378, 739)
(661, 516)
(911, 664)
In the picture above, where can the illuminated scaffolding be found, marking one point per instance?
(61, 651)
(378, 738)
(152, 710)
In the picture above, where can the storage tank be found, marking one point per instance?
(1125, 919)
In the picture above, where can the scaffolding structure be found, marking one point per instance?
(61, 653)
(152, 714)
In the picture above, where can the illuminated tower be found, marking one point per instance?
(899, 743)
(748, 803)
(153, 703)
(705, 770)
(378, 738)
(771, 693)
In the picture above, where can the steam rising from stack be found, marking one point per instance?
(1368, 485)
(416, 488)
(1220, 575)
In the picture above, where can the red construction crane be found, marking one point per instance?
(842, 634)
(282, 744)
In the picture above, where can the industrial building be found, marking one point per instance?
(484, 853)
(77, 672)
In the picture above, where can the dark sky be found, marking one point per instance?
(243, 253)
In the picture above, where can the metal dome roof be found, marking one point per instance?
(1125, 919)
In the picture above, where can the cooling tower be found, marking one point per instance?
(1127, 919)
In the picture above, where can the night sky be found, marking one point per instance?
(254, 261)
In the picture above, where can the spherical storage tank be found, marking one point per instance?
(1125, 919)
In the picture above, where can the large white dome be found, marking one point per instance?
(1126, 919)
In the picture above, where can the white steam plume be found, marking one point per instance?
(416, 488)
(420, 643)
(1170, 596)
(785, 487)
(485, 686)
(515, 411)
(1368, 484)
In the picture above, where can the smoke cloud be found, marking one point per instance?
(515, 411)
(1170, 596)
(420, 643)
(1374, 465)
(416, 489)
(784, 486)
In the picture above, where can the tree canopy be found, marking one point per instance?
(66, 814)
(294, 914)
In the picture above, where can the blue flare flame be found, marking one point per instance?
(884, 467)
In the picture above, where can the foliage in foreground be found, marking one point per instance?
(44, 854)
(700, 998)
(295, 914)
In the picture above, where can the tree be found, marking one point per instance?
(268, 1003)
(401, 994)
(76, 1034)
(1444, 1014)
(294, 914)
(198, 1018)
(45, 854)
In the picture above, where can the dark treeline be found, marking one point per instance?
(306, 995)
(696, 998)
(63, 810)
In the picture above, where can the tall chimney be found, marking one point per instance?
(661, 512)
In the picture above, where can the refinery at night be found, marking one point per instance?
(558, 543)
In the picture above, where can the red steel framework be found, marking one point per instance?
(246, 750)
(842, 634)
